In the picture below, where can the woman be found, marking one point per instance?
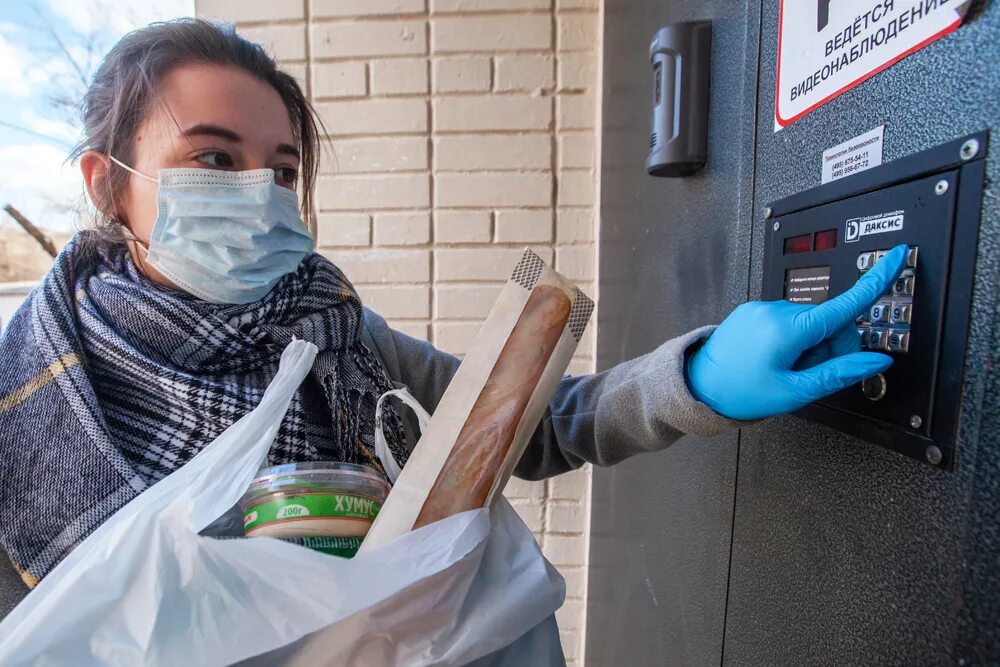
(163, 324)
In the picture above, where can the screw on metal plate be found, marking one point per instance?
(768, 212)
(941, 187)
(776, 226)
(970, 149)
(933, 454)
(916, 421)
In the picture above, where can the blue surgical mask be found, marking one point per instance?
(225, 236)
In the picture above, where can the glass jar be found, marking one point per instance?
(315, 500)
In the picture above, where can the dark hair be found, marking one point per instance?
(124, 91)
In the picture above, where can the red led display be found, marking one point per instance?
(797, 244)
(826, 240)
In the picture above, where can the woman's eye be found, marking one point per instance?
(287, 174)
(216, 159)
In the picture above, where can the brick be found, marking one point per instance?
(524, 226)
(339, 80)
(383, 266)
(463, 227)
(402, 228)
(374, 116)
(335, 8)
(298, 72)
(464, 152)
(453, 75)
(565, 518)
(577, 71)
(359, 193)
(565, 550)
(576, 262)
(455, 337)
(576, 581)
(575, 225)
(490, 34)
(578, 367)
(380, 155)
(462, 6)
(570, 485)
(354, 39)
(576, 149)
(575, 111)
(398, 301)
(250, 10)
(507, 112)
(576, 32)
(570, 640)
(420, 330)
(343, 229)
(466, 302)
(494, 189)
(576, 188)
(530, 512)
(284, 42)
(531, 73)
(570, 616)
(520, 488)
(399, 77)
(484, 264)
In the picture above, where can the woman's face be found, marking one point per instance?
(206, 116)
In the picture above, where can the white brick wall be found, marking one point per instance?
(462, 131)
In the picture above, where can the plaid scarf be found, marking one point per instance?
(109, 383)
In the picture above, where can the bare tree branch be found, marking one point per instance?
(35, 232)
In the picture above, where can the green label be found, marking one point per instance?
(345, 547)
(310, 506)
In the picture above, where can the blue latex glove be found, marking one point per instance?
(768, 358)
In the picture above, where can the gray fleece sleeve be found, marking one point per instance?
(638, 406)
(642, 405)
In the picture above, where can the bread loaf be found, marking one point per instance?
(479, 453)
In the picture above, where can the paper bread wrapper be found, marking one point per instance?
(429, 458)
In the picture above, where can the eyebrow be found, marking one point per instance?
(208, 130)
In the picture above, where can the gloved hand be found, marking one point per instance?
(768, 358)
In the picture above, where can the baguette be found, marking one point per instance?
(481, 449)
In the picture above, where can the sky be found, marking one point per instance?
(48, 51)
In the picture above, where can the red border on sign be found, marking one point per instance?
(777, 88)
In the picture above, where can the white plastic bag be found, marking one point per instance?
(146, 589)
(382, 450)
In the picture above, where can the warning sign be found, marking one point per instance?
(826, 47)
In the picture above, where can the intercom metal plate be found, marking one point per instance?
(819, 242)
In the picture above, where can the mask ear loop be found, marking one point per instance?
(132, 237)
(128, 168)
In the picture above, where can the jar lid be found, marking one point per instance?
(355, 471)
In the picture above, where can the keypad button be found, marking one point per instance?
(863, 336)
(898, 341)
(903, 286)
(911, 258)
(877, 339)
(880, 312)
(900, 313)
(865, 261)
(879, 254)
